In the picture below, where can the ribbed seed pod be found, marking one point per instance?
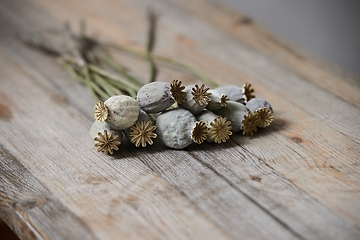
(155, 97)
(235, 113)
(123, 111)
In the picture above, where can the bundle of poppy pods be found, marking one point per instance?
(178, 115)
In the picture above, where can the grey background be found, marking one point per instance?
(330, 28)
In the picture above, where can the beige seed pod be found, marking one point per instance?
(123, 111)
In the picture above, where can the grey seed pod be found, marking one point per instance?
(208, 117)
(123, 111)
(174, 128)
(142, 116)
(196, 99)
(234, 112)
(219, 128)
(218, 100)
(234, 93)
(155, 97)
(97, 127)
(256, 103)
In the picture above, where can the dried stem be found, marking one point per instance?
(169, 61)
(150, 45)
(119, 69)
(85, 58)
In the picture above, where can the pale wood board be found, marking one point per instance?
(297, 179)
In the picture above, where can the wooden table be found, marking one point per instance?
(297, 179)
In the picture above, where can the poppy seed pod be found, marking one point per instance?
(257, 103)
(142, 116)
(219, 129)
(234, 93)
(235, 113)
(197, 98)
(105, 138)
(155, 97)
(263, 110)
(218, 100)
(174, 128)
(97, 127)
(122, 111)
(141, 133)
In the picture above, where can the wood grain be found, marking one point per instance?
(298, 179)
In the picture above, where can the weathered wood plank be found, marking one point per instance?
(289, 181)
(29, 205)
(133, 203)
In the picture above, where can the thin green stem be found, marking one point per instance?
(104, 84)
(82, 80)
(150, 45)
(127, 86)
(197, 73)
(99, 91)
(130, 85)
(112, 63)
(107, 84)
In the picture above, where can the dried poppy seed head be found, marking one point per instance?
(174, 128)
(200, 132)
(224, 100)
(248, 91)
(233, 92)
(257, 103)
(177, 91)
(107, 143)
(265, 117)
(142, 132)
(190, 104)
(234, 112)
(100, 112)
(220, 130)
(123, 111)
(201, 95)
(97, 127)
(217, 100)
(251, 120)
(208, 117)
(155, 97)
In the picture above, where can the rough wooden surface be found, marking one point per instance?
(298, 179)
